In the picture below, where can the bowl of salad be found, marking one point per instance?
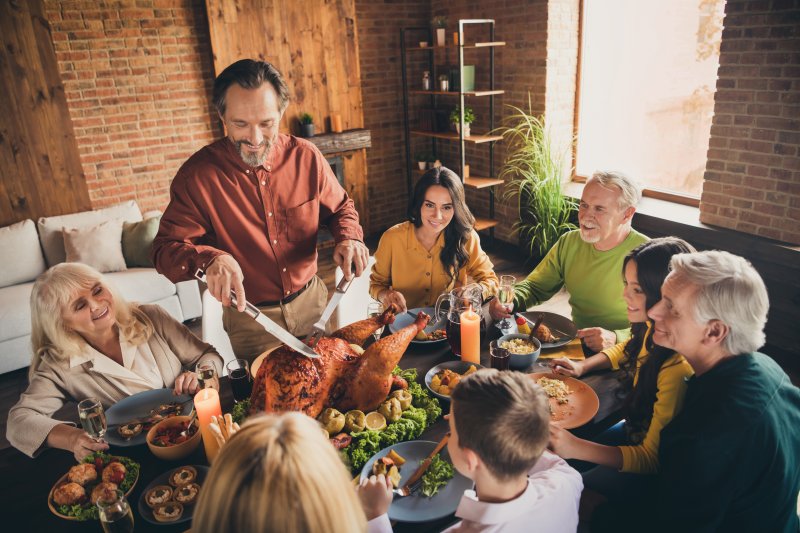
(173, 438)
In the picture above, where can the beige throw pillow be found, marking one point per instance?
(97, 246)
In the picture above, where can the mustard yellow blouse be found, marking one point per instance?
(671, 383)
(403, 264)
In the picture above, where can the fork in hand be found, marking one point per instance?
(409, 489)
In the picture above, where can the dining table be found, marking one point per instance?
(27, 482)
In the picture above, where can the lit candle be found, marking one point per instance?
(470, 336)
(206, 403)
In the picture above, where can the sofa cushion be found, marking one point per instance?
(137, 241)
(142, 285)
(21, 240)
(15, 311)
(98, 246)
(50, 227)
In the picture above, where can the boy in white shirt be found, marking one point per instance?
(498, 433)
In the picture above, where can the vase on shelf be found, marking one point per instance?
(466, 129)
(441, 35)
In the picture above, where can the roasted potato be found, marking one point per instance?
(391, 409)
(354, 420)
(404, 397)
(332, 420)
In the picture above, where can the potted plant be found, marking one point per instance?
(422, 159)
(469, 118)
(440, 23)
(534, 178)
(306, 125)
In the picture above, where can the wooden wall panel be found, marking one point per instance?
(40, 169)
(314, 44)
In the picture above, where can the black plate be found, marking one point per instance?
(163, 479)
(564, 329)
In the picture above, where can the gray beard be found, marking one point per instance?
(588, 240)
(251, 159)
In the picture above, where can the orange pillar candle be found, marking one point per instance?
(470, 336)
(336, 123)
(206, 403)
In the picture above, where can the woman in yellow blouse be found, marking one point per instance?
(655, 376)
(433, 252)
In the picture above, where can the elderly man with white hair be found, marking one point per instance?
(588, 263)
(730, 460)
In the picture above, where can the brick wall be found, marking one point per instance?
(137, 76)
(379, 24)
(752, 179)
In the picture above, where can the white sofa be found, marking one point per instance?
(29, 252)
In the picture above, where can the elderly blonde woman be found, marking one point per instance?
(278, 473)
(89, 342)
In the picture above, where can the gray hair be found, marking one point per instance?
(249, 74)
(631, 192)
(730, 290)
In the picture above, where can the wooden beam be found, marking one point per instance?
(347, 141)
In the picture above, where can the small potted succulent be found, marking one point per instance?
(469, 118)
(440, 23)
(306, 125)
(422, 159)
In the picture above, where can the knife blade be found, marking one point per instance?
(341, 289)
(268, 324)
(423, 466)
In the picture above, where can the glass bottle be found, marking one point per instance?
(426, 81)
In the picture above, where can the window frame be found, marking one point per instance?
(650, 192)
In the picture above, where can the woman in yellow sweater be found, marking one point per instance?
(433, 252)
(654, 376)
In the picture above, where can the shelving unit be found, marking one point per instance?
(433, 62)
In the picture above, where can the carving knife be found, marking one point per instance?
(318, 330)
(269, 325)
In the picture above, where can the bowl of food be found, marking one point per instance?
(524, 350)
(442, 378)
(173, 438)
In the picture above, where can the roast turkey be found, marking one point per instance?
(340, 377)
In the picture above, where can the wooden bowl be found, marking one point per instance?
(178, 451)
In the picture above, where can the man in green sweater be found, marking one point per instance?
(730, 460)
(588, 263)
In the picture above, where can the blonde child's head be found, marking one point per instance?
(278, 473)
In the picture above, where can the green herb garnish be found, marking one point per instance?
(437, 476)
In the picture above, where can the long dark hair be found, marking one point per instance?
(454, 253)
(652, 266)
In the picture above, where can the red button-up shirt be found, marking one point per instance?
(266, 217)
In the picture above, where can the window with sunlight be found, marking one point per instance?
(647, 81)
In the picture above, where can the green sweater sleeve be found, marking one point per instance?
(541, 284)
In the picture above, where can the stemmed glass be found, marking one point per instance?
(115, 513)
(506, 297)
(93, 417)
(207, 375)
(375, 309)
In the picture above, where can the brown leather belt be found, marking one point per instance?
(288, 298)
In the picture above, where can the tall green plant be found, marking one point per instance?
(533, 172)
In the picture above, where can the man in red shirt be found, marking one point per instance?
(247, 209)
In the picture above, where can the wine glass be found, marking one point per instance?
(239, 374)
(506, 297)
(375, 309)
(115, 513)
(207, 375)
(93, 417)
